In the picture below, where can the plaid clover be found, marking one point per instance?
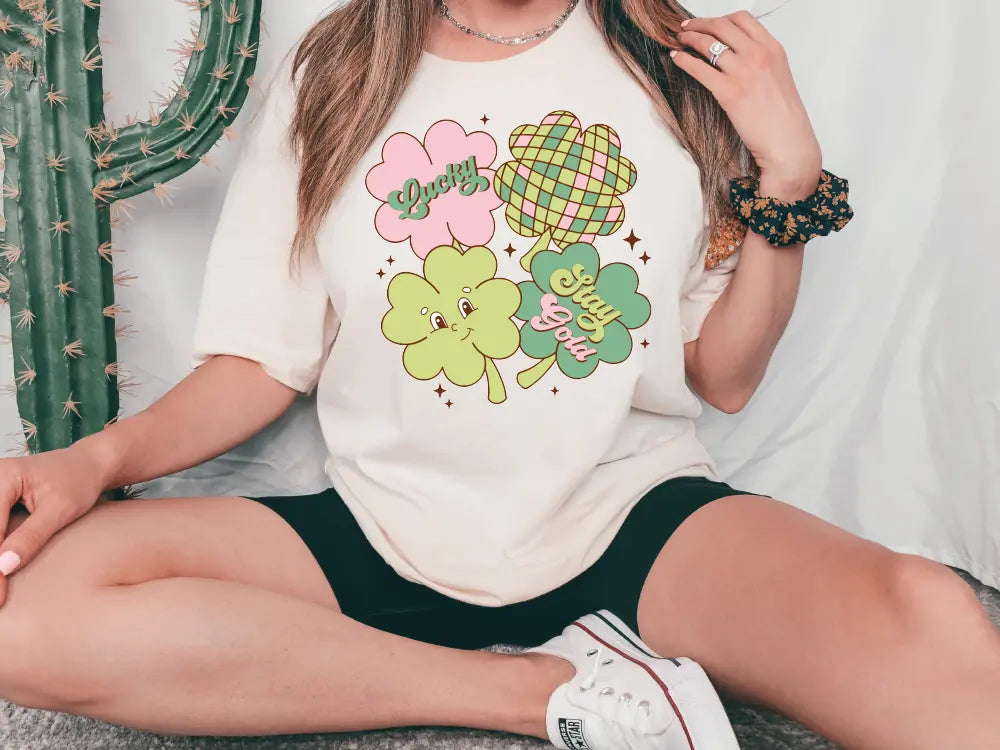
(564, 184)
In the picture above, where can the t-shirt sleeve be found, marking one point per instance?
(703, 287)
(254, 304)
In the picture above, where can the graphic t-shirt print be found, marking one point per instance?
(562, 186)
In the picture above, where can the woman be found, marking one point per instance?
(514, 278)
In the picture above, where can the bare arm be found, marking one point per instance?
(220, 405)
(727, 362)
(753, 83)
(217, 407)
(251, 305)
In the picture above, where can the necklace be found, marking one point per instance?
(510, 41)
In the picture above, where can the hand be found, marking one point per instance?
(754, 85)
(57, 487)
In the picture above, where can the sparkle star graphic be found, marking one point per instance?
(644, 257)
(554, 390)
(631, 239)
(439, 390)
(510, 250)
(484, 119)
(380, 273)
(448, 403)
(644, 343)
(390, 260)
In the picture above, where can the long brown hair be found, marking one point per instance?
(361, 56)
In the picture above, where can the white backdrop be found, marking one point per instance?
(881, 409)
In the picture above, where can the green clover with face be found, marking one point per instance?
(578, 313)
(455, 319)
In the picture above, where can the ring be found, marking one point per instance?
(716, 49)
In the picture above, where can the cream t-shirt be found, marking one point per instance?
(496, 319)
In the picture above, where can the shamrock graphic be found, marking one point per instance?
(435, 190)
(596, 307)
(564, 184)
(454, 319)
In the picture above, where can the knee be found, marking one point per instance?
(929, 598)
(35, 633)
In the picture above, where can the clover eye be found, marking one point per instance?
(465, 307)
(437, 321)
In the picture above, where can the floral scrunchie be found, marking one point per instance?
(784, 223)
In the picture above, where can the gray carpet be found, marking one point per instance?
(23, 729)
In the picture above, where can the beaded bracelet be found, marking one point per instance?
(784, 223)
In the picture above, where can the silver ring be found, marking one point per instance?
(716, 50)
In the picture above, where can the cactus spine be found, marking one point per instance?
(65, 167)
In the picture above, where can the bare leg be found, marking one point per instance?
(209, 616)
(869, 648)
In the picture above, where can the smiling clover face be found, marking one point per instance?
(454, 319)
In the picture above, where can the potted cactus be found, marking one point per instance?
(65, 166)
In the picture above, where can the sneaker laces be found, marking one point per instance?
(630, 718)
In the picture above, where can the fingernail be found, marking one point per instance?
(685, 22)
(9, 561)
(673, 53)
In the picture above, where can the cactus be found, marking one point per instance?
(65, 167)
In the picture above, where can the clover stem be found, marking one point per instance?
(540, 244)
(495, 389)
(527, 378)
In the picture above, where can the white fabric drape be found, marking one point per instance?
(881, 409)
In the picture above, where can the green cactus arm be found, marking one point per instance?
(58, 279)
(32, 375)
(60, 336)
(214, 89)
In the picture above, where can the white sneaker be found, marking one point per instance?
(624, 697)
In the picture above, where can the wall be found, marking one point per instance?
(881, 409)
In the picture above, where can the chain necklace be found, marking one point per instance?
(510, 41)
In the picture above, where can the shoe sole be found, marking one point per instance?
(705, 723)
